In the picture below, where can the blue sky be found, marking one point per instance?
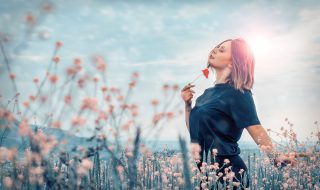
(168, 42)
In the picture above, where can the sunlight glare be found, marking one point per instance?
(260, 45)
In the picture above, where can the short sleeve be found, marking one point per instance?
(242, 109)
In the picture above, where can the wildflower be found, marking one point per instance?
(26, 104)
(135, 74)
(170, 115)
(7, 115)
(120, 98)
(157, 117)
(57, 124)
(43, 98)
(30, 19)
(78, 121)
(155, 102)
(132, 84)
(56, 59)
(32, 98)
(195, 147)
(24, 128)
(20, 177)
(215, 166)
(120, 169)
(134, 110)
(205, 72)
(81, 82)
(7, 182)
(214, 152)
(95, 79)
(104, 89)
(12, 76)
(53, 79)
(47, 7)
(111, 107)
(67, 99)
(175, 87)
(103, 115)
(230, 175)
(126, 126)
(58, 44)
(164, 179)
(111, 147)
(100, 63)
(35, 80)
(72, 70)
(87, 164)
(114, 90)
(90, 104)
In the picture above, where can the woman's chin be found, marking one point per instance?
(210, 63)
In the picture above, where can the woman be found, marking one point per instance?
(222, 112)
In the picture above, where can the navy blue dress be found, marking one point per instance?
(218, 119)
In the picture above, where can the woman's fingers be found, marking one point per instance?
(291, 161)
(187, 87)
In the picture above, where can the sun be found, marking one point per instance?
(260, 45)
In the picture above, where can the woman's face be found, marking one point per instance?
(220, 56)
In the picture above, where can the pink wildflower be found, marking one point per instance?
(78, 121)
(53, 79)
(7, 182)
(90, 104)
(12, 76)
(59, 44)
(24, 128)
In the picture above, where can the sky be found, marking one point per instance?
(168, 42)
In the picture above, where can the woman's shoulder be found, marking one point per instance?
(240, 94)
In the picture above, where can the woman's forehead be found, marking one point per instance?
(224, 44)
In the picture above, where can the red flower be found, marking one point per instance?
(205, 72)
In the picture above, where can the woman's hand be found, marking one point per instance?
(285, 159)
(186, 93)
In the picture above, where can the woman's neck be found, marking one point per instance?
(220, 78)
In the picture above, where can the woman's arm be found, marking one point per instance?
(260, 136)
(262, 139)
(188, 107)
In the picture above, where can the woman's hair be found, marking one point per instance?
(242, 74)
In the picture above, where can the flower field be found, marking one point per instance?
(43, 146)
